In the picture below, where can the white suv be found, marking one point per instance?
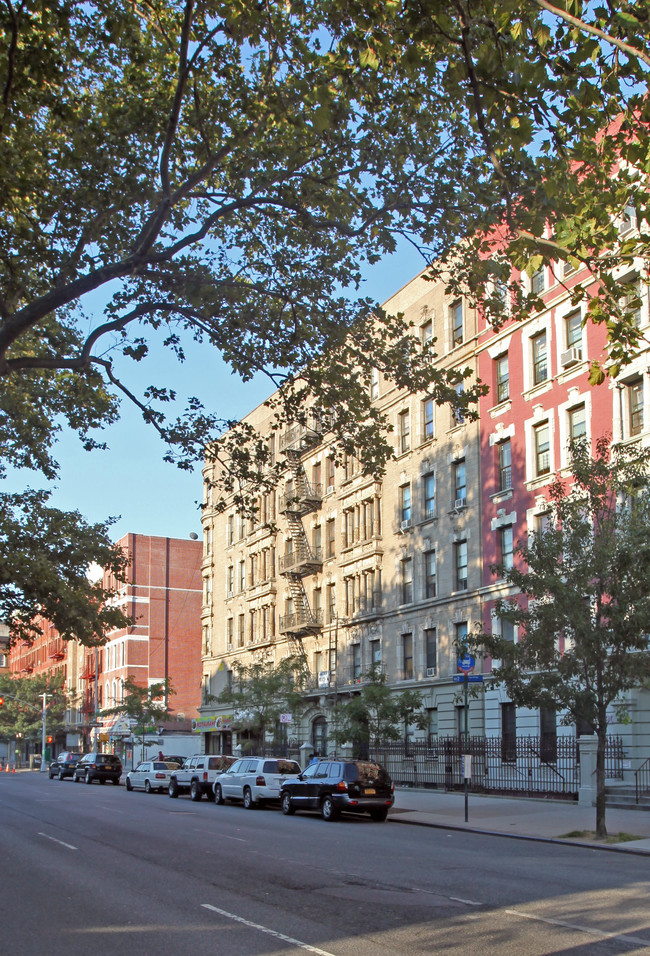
(255, 780)
(197, 775)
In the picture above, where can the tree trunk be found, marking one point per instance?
(601, 829)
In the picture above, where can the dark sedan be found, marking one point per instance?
(64, 765)
(336, 786)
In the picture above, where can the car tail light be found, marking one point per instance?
(160, 776)
(205, 775)
(260, 781)
(341, 786)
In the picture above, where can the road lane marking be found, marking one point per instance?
(223, 836)
(589, 930)
(267, 930)
(459, 899)
(54, 840)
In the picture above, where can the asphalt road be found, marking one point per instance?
(97, 870)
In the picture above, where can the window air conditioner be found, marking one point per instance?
(570, 357)
(432, 671)
(460, 503)
(405, 525)
(229, 647)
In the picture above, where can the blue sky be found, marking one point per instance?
(130, 479)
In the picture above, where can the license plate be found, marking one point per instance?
(369, 793)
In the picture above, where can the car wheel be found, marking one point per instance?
(61, 775)
(102, 780)
(173, 789)
(116, 781)
(218, 795)
(285, 803)
(147, 787)
(327, 809)
(129, 785)
(52, 776)
(379, 815)
(249, 803)
(88, 779)
(195, 790)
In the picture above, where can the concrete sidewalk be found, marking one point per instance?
(525, 818)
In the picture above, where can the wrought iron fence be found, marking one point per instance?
(546, 765)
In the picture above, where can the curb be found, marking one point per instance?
(555, 841)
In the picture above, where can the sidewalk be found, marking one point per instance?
(524, 818)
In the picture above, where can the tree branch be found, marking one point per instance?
(595, 31)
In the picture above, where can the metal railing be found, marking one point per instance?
(642, 780)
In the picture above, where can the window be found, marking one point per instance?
(573, 330)
(540, 362)
(375, 653)
(230, 530)
(429, 494)
(548, 734)
(330, 467)
(460, 483)
(459, 412)
(456, 313)
(506, 546)
(427, 419)
(502, 370)
(242, 575)
(407, 656)
(405, 504)
(537, 282)
(240, 630)
(331, 537)
(504, 452)
(543, 522)
(331, 602)
(635, 406)
(407, 580)
(460, 549)
(577, 423)
(374, 385)
(404, 427)
(460, 637)
(230, 581)
(431, 645)
(230, 628)
(631, 301)
(317, 477)
(426, 332)
(356, 662)
(508, 733)
(541, 435)
(430, 572)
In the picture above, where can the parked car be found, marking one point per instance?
(254, 780)
(150, 775)
(64, 765)
(336, 786)
(100, 767)
(197, 775)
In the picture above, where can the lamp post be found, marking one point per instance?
(43, 739)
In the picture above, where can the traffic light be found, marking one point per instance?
(2, 701)
(50, 740)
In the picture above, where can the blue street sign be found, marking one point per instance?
(458, 678)
(475, 678)
(466, 663)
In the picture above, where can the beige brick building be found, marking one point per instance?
(360, 572)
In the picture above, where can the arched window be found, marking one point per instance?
(319, 736)
(108, 694)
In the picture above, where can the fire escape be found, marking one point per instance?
(300, 560)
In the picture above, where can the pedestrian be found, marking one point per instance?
(161, 756)
(313, 759)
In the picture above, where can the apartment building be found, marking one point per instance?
(162, 594)
(540, 399)
(361, 572)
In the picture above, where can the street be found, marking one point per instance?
(94, 869)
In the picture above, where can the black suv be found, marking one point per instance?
(64, 765)
(100, 767)
(335, 786)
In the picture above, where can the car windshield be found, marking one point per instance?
(281, 766)
(367, 773)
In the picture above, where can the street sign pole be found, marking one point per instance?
(466, 687)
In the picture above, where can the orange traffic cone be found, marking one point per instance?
(14, 770)
(7, 768)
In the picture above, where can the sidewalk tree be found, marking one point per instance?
(583, 606)
(261, 691)
(144, 707)
(376, 714)
(22, 711)
(220, 173)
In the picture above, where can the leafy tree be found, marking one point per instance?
(583, 606)
(376, 714)
(220, 171)
(145, 707)
(261, 691)
(21, 713)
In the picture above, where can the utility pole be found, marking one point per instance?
(44, 736)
